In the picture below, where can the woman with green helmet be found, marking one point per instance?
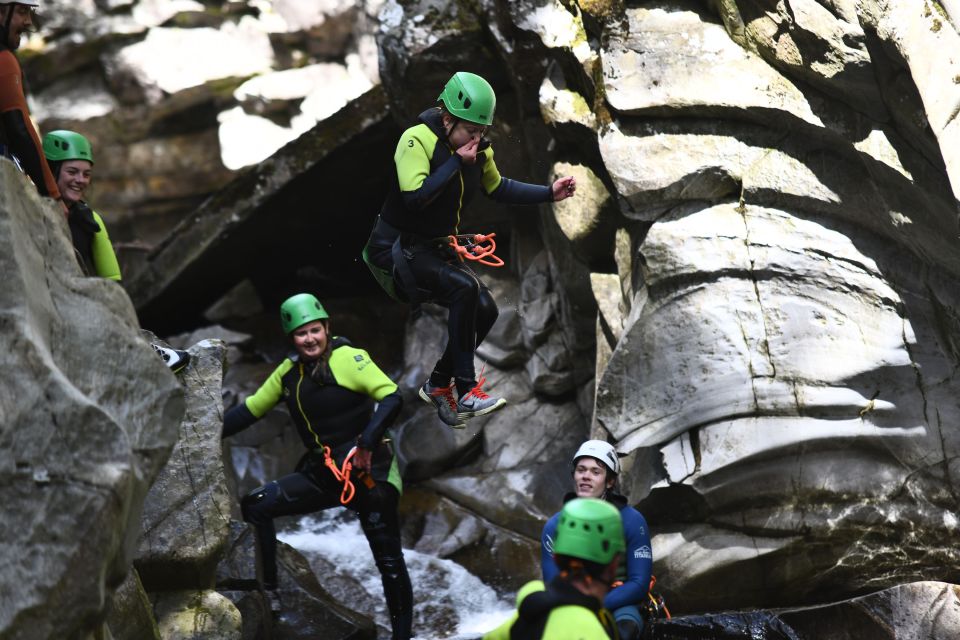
(441, 164)
(588, 548)
(330, 389)
(70, 157)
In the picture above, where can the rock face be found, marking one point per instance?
(89, 414)
(186, 517)
(756, 298)
(779, 358)
(176, 96)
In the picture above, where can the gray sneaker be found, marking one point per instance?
(477, 403)
(444, 400)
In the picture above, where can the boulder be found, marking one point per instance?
(196, 615)
(89, 414)
(130, 616)
(187, 512)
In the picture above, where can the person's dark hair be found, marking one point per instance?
(55, 166)
(574, 567)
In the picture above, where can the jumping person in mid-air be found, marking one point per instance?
(441, 163)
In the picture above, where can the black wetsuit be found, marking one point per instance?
(331, 403)
(432, 186)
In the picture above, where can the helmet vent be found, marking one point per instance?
(460, 96)
(606, 545)
(467, 103)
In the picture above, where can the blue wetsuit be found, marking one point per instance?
(635, 571)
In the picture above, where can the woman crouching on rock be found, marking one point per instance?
(330, 388)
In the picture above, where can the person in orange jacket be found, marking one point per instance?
(18, 138)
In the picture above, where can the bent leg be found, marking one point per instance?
(459, 290)
(292, 494)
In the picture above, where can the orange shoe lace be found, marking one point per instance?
(447, 394)
(477, 392)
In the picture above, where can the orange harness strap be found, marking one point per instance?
(477, 247)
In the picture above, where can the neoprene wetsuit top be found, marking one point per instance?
(634, 571)
(16, 129)
(433, 184)
(92, 243)
(330, 405)
(561, 611)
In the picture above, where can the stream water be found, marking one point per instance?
(449, 602)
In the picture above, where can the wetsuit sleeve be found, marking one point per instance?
(236, 419)
(21, 137)
(354, 370)
(547, 564)
(269, 393)
(510, 191)
(104, 259)
(639, 561)
(418, 185)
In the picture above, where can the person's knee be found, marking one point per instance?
(391, 566)
(256, 505)
(461, 285)
(487, 311)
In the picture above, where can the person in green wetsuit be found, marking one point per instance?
(588, 548)
(330, 388)
(441, 164)
(70, 157)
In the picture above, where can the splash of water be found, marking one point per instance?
(449, 602)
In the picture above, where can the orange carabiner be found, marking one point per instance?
(341, 474)
(477, 247)
(348, 489)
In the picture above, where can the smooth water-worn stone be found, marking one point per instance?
(196, 615)
(88, 414)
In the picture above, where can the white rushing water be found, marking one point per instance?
(449, 602)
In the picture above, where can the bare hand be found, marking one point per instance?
(362, 459)
(468, 152)
(564, 188)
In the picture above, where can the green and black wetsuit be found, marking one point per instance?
(432, 186)
(332, 402)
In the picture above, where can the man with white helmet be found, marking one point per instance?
(18, 139)
(596, 467)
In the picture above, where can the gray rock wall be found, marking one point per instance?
(776, 277)
(88, 414)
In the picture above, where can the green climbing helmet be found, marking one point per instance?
(62, 145)
(589, 529)
(469, 97)
(300, 309)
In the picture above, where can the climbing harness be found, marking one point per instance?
(477, 247)
(656, 608)
(342, 474)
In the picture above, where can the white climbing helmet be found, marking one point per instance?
(602, 451)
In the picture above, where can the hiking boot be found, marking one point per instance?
(444, 400)
(173, 358)
(477, 403)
